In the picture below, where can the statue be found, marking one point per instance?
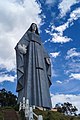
(33, 69)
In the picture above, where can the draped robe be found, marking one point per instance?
(33, 71)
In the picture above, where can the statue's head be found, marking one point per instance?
(33, 28)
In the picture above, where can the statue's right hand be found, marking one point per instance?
(22, 48)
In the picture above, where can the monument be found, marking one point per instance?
(33, 69)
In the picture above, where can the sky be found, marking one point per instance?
(59, 27)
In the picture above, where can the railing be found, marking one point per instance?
(29, 110)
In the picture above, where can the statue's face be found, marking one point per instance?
(34, 27)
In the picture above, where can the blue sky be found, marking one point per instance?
(59, 27)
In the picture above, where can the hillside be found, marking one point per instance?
(50, 115)
(8, 114)
(11, 114)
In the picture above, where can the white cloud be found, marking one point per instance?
(61, 98)
(15, 19)
(72, 53)
(74, 15)
(47, 31)
(61, 28)
(57, 38)
(58, 81)
(75, 76)
(50, 4)
(73, 64)
(5, 77)
(53, 72)
(54, 54)
(65, 6)
(49, 1)
(73, 68)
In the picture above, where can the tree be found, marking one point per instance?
(7, 98)
(66, 108)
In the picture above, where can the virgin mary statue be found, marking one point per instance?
(33, 69)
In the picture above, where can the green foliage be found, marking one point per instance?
(66, 108)
(7, 98)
